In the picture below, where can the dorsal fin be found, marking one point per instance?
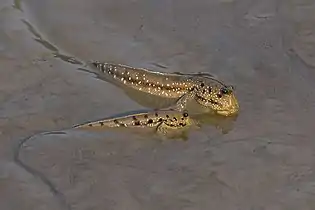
(199, 74)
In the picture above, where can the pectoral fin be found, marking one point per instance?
(181, 103)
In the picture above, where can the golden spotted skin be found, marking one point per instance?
(155, 83)
(203, 88)
(219, 98)
(163, 121)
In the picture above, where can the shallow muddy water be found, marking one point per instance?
(264, 159)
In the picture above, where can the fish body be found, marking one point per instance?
(163, 121)
(156, 83)
(205, 89)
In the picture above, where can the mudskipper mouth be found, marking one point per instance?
(228, 112)
(232, 109)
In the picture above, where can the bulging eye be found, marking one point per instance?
(225, 90)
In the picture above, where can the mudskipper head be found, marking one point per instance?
(219, 97)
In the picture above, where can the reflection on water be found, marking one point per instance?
(224, 124)
(148, 100)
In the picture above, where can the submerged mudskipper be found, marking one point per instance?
(164, 122)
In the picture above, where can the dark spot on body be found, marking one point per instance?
(160, 120)
(156, 114)
(185, 114)
(209, 89)
(213, 102)
(202, 84)
(150, 121)
(175, 118)
(219, 95)
(167, 116)
(116, 121)
(206, 100)
(101, 123)
(134, 117)
(137, 123)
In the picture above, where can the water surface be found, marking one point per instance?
(264, 48)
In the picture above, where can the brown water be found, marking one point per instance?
(263, 160)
